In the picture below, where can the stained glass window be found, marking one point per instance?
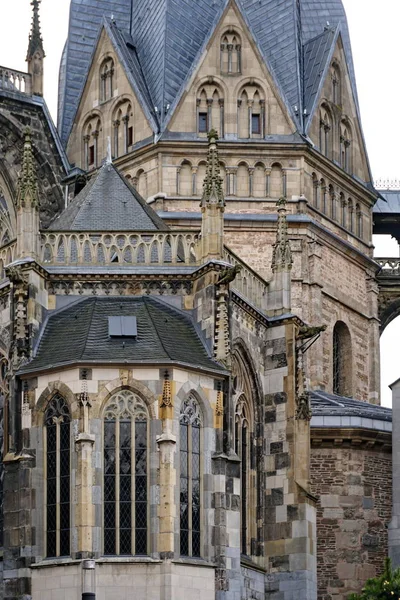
(125, 475)
(190, 478)
(58, 482)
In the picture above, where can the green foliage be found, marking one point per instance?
(385, 587)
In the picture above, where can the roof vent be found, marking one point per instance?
(122, 327)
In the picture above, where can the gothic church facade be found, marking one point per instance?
(189, 310)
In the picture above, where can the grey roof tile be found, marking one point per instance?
(108, 203)
(330, 405)
(392, 204)
(315, 55)
(79, 334)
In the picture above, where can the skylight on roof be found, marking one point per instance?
(122, 327)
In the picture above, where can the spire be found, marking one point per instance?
(35, 54)
(28, 193)
(282, 255)
(35, 37)
(212, 186)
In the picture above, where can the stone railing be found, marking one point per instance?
(389, 266)
(119, 249)
(15, 81)
(248, 283)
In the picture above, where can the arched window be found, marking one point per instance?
(325, 138)
(243, 181)
(57, 448)
(190, 477)
(359, 217)
(324, 190)
(251, 112)
(242, 449)
(345, 146)
(343, 209)
(351, 214)
(315, 190)
(231, 54)
(332, 200)
(106, 79)
(123, 130)
(126, 455)
(184, 179)
(336, 84)
(92, 147)
(276, 184)
(210, 110)
(6, 227)
(342, 360)
(259, 181)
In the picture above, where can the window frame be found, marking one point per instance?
(133, 474)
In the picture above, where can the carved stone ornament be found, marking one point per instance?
(212, 187)
(303, 407)
(190, 411)
(282, 255)
(166, 398)
(306, 332)
(219, 406)
(228, 275)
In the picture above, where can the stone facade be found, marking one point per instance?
(272, 276)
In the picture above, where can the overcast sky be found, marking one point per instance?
(374, 30)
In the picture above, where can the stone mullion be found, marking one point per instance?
(284, 183)
(95, 138)
(116, 136)
(267, 182)
(209, 113)
(251, 181)
(250, 117)
(86, 140)
(58, 499)
(178, 181)
(230, 49)
(262, 125)
(239, 58)
(125, 121)
(194, 181)
(133, 487)
(117, 488)
(222, 117)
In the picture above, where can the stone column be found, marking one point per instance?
(374, 341)
(167, 446)
(394, 527)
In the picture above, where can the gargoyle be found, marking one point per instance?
(306, 332)
(228, 275)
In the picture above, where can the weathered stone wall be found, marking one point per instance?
(353, 486)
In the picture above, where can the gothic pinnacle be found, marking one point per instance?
(212, 186)
(28, 193)
(35, 37)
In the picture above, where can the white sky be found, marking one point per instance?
(376, 51)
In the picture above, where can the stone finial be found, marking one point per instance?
(35, 37)
(28, 192)
(282, 255)
(212, 186)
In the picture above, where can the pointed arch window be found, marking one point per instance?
(58, 477)
(251, 112)
(125, 455)
(345, 147)
(231, 54)
(242, 449)
(325, 126)
(190, 477)
(342, 360)
(336, 84)
(315, 191)
(106, 79)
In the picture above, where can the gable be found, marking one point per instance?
(231, 73)
(108, 96)
(335, 103)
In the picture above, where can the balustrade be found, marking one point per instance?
(247, 282)
(123, 249)
(15, 81)
(389, 266)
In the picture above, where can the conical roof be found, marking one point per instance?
(108, 203)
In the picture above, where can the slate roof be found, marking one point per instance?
(325, 404)
(108, 203)
(316, 53)
(79, 334)
(170, 35)
(392, 204)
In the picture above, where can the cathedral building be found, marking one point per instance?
(189, 310)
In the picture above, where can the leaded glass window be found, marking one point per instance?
(190, 478)
(242, 447)
(58, 477)
(126, 437)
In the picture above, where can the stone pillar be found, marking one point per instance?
(279, 293)
(84, 517)
(394, 526)
(212, 206)
(374, 341)
(167, 447)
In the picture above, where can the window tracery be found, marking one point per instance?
(125, 422)
(231, 54)
(210, 110)
(58, 493)
(190, 477)
(6, 228)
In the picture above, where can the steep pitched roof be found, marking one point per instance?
(169, 36)
(316, 53)
(389, 203)
(108, 203)
(79, 334)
